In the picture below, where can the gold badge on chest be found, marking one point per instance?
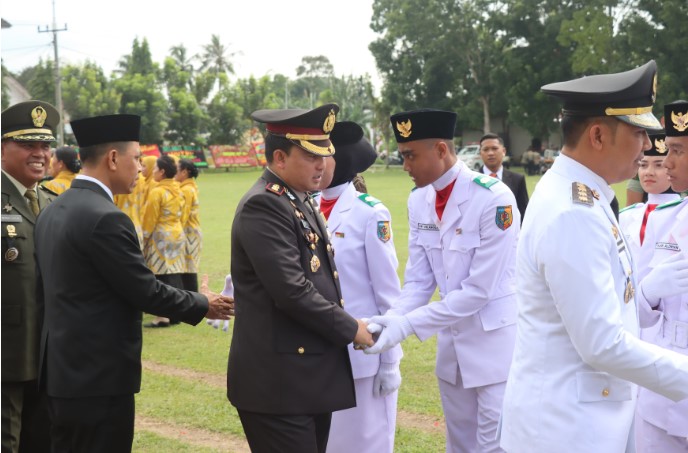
(315, 263)
(629, 292)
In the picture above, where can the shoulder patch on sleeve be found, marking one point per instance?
(485, 181)
(582, 194)
(627, 208)
(369, 199)
(669, 204)
(274, 188)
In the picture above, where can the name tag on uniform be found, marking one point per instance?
(12, 218)
(667, 246)
(428, 227)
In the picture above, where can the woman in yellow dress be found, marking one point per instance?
(186, 176)
(147, 166)
(164, 243)
(64, 166)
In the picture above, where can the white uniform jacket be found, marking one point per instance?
(361, 231)
(666, 234)
(631, 219)
(577, 346)
(470, 255)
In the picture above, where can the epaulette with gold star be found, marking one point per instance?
(275, 188)
(582, 194)
(485, 181)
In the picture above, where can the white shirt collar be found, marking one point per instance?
(661, 198)
(499, 172)
(334, 192)
(448, 176)
(99, 182)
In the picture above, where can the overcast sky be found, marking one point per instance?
(269, 36)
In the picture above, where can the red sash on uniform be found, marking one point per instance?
(648, 210)
(441, 199)
(326, 206)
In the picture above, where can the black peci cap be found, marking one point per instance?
(627, 96)
(30, 121)
(422, 124)
(658, 147)
(307, 129)
(106, 129)
(676, 119)
(354, 154)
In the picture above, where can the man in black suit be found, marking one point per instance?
(95, 284)
(492, 152)
(27, 131)
(288, 363)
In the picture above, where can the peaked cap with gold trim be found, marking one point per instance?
(628, 96)
(307, 129)
(30, 121)
(676, 119)
(422, 124)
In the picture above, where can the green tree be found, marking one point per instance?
(354, 95)
(139, 61)
(664, 25)
(216, 61)
(142, 93)
(314, 74)
(5, 90)
(87, 92)
(41, 85)
(227, 122)
(185, 115)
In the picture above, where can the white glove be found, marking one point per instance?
(669, 278)
(229, 292)
(387, 380)
(216, 323)
(395, 329)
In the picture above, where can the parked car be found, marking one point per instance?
(470, 155)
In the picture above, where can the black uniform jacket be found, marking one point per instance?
(288, 353)
(95, 284)
(517, 184)
(22, 315)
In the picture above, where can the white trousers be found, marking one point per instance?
(471, 416)
(367, 428)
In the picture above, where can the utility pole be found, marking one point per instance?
(58, 78)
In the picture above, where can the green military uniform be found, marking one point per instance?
(31, 121)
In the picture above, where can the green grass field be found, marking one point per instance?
(183, 402)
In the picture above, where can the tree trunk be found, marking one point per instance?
(485, 100)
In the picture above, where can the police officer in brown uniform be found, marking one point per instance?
(289, 365)
(27, 131)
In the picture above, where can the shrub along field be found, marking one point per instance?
(183, 407)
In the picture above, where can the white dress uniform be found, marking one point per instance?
(663, 423)
(577, 346)
(360, 226)
(631, 219)
(470, 255)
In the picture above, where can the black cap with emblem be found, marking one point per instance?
(307, 129)
(627, 96)
(676, 119)
(658, 147)
(354, 152)
(106, 129)
(30, 121)
(422, 124)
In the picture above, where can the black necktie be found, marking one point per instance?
(615, 208)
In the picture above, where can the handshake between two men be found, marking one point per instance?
(381, 333)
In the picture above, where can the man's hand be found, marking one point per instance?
(395, 329)
(363, 338)
(669, 278)
(219, 307)
(387, 380)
